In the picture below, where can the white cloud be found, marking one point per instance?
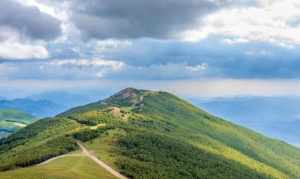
(14, 45)
(235, 41)
(197, 68)
(80, 68)
(111, 44)
(258, 53)
(85, 63)
(16, 50)
(67, 69)
(42, 7)
(274, 21)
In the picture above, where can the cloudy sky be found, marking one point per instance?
(197, 48)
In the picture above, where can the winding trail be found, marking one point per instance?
(99, 162)
(87, 153)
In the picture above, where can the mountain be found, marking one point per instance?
(12, 120)
(68, 99)
(39, 108)
(274, 116)
(147, 134)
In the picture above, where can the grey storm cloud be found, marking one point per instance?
(28, 21)
(163, 19)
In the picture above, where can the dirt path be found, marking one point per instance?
(85, 152)
(99, 162)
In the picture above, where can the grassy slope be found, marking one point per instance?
(171, 119)
(72, 167)
(155, 136)
(37, 142)
(196, 123)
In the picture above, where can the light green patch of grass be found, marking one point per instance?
(15, 115)
(102, 146)
(69, 167)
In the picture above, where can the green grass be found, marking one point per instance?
(172, 119)
(146, 155)
(71, 167)
(154, 135)
(38, 142)
(15, 115)
(12, 120)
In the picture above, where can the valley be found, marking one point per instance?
(11, 120)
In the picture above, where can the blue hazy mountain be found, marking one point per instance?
(49, 103)
(68, 99)
(39, 108)
(278, 117)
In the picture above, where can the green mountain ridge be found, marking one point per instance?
(12, 120)
(151, 134)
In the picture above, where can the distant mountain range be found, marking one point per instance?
(278, 117)
(145, 134)
(47, 104)
(65, 99)
(39, 108)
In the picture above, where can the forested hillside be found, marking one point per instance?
(149, 134)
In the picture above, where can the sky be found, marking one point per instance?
(195, 48)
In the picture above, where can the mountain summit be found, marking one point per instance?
(126, 93)
(129, 96)
(151, 134)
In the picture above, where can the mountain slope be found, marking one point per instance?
(75, 167)
(12, 120)
(274, 116)
(147, 134)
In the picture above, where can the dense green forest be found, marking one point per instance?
(147, 134)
